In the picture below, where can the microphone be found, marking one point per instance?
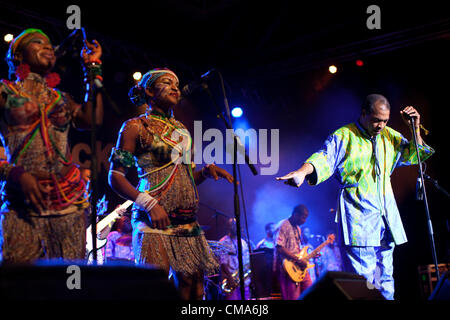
(99, 85)
(193, 86)
(419, 189)
(63, 47)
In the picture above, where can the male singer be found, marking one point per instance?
(362, 156)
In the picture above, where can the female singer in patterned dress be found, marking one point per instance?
(165, 229)
(44, 196)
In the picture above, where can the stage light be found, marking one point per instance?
(332, 69)
(8, 37)
(359, 63)
(137, 76)
(237, 112)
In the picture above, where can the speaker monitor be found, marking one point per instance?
(442, 290)
(261, 273)
(341, 286)
(58, 281)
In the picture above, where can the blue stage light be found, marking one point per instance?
(237, 112)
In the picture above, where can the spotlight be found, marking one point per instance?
(332, 69)
(237, 112)
(137, 76)
(8, 37)
(359, 63)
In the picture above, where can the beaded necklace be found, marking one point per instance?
(162, 187)
(40, 125)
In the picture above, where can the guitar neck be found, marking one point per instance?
(106, 221)
(112, 216)
(316, 250)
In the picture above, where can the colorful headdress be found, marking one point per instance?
(150, 77)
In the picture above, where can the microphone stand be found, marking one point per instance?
(216, 213)
(436, 184)
(425, 199)
(236, 193)
(92, 97)
(60, 51)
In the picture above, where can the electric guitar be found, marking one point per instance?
(296, 273)
(102, 224)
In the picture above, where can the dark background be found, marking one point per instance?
(274, 58)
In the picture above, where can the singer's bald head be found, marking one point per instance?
(373, 101)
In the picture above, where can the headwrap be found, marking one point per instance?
(150, 77)
(18, 40)
(137, 93)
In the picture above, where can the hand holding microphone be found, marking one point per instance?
(410, 114)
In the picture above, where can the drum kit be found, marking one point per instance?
(212, 282)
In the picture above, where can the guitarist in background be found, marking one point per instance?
(288, 246)
(102, 235)
(118, 247)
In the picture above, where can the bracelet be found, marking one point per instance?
(118, 172)
(92, 70)
(94, 61)
(145, 201)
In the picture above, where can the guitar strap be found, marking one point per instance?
(296, 234)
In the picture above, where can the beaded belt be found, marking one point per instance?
(66, 190)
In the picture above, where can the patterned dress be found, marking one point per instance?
(34, 127)
(162, 158)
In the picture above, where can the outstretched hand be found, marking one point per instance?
(216, 172)
(297, 177)
(294, 178)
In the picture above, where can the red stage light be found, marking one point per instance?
(359, 63)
